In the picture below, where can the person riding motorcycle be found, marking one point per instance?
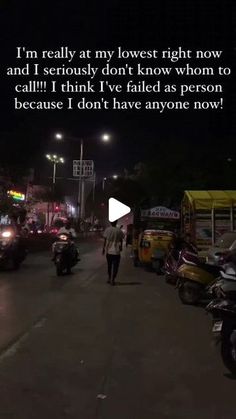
(70, 231)
(67, 229)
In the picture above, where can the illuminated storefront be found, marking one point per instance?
(18, 196)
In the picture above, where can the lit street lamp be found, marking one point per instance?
(106, 138)
(107, 178)
(54, 159)
(103, 183)
(58, 136)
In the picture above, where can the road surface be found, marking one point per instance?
(76, 347)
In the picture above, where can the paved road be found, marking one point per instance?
(26, 295)
(89, 350)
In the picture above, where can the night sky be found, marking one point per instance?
(137, 136)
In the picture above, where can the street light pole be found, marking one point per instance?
(54, 159)
(54, 173)
(94, 189)
(103, 183)
(94, 186)
(80, 209)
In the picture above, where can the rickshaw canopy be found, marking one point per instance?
(203, 200)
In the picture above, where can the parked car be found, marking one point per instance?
(223, 246)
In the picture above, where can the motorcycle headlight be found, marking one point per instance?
(6, 234)
(63, 237)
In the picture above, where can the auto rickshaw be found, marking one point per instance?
(152, 248)
(153, 231)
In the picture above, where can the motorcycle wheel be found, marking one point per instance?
(189, 293)
(68, 270)
(136, 262)
(59, 270)
(228, 354)
(16, 265)
(156, 266)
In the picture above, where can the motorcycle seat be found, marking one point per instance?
(211, 269)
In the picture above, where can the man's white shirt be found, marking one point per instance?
(114, 237)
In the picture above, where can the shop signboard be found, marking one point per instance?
(160, 212)
(17, 196)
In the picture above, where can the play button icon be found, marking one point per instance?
(117, 210)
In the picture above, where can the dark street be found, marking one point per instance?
(75, 347)
(117, 129)
(26, 295)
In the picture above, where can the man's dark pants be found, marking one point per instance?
(113, 262)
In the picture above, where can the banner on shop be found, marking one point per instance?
(161, 212)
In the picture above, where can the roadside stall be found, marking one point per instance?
(206, 215)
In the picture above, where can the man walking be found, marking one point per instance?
(113, 240)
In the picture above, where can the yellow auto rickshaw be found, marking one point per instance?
(153, 231)
(152, 248)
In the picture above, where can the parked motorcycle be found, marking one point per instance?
(224, 328)
(190, 275)
(225, 285)
(65, 254)
(12, 250)
(223, 311)
(175, 258)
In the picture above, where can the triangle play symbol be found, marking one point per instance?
(117, 209)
